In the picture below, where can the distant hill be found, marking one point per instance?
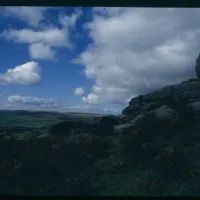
(47, 112)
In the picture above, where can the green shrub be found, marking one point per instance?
(113, 164)
(83, 147)
(110, 120)
(64, 128)
(79, 185)
(33, 167)
(151, 125)
(172, 163)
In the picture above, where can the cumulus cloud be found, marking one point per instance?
(111, 110)
(25, 74)
(137, 50)
(41, 51)
(32, 15)
(46, 37)
(85, 108)
(33, 101)
(6, 106)
(46, 103)
(80, 107)
(51, 36)
(70, 21)
(78, 91)
(90, 99)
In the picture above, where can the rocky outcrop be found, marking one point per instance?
(164, 112)
(161, 102)
(195, 105)
(188, 90)
(197, 67)
(118, 129)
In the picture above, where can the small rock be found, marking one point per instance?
(195, 105)
(118, 129)
(164, 112)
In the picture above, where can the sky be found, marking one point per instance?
(93, 59)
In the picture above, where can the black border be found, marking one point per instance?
(103, 3)
(98, 3)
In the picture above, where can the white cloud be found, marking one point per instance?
(5, 106)
(26, 74)
(80, 107)
(78, 91)
(41, 51)
(85, 108)
(70, 21)
(90, 99)
(51, 36)
(33, 101)
(46, 103)
(32, 15)
(137, 50)
(46, 37)
(111, 110)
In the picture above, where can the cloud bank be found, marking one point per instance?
(42, 38)
(33, 101)
(78, 91)
(130, 51)
(137, 50)
(25, 74)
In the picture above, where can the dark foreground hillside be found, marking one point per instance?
(153, 157)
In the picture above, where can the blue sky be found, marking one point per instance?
(60, 76)
(92, 59)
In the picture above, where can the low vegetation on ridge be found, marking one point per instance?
(153, 157)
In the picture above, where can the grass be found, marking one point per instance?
(154, 159)
(28, 123)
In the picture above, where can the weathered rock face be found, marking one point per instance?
(189, 90)
(197, 67)
(195, 105)
(118, 129)
(158, 95)
(156, 99)
(164, 112)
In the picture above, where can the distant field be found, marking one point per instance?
(39, 118)
(85, 114)
(24, 123)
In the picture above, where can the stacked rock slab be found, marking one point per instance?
(156, 99)
(145, 103)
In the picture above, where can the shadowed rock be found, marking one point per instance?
(197, 67)
(65, 128)
(156, 99)
(189, 90)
